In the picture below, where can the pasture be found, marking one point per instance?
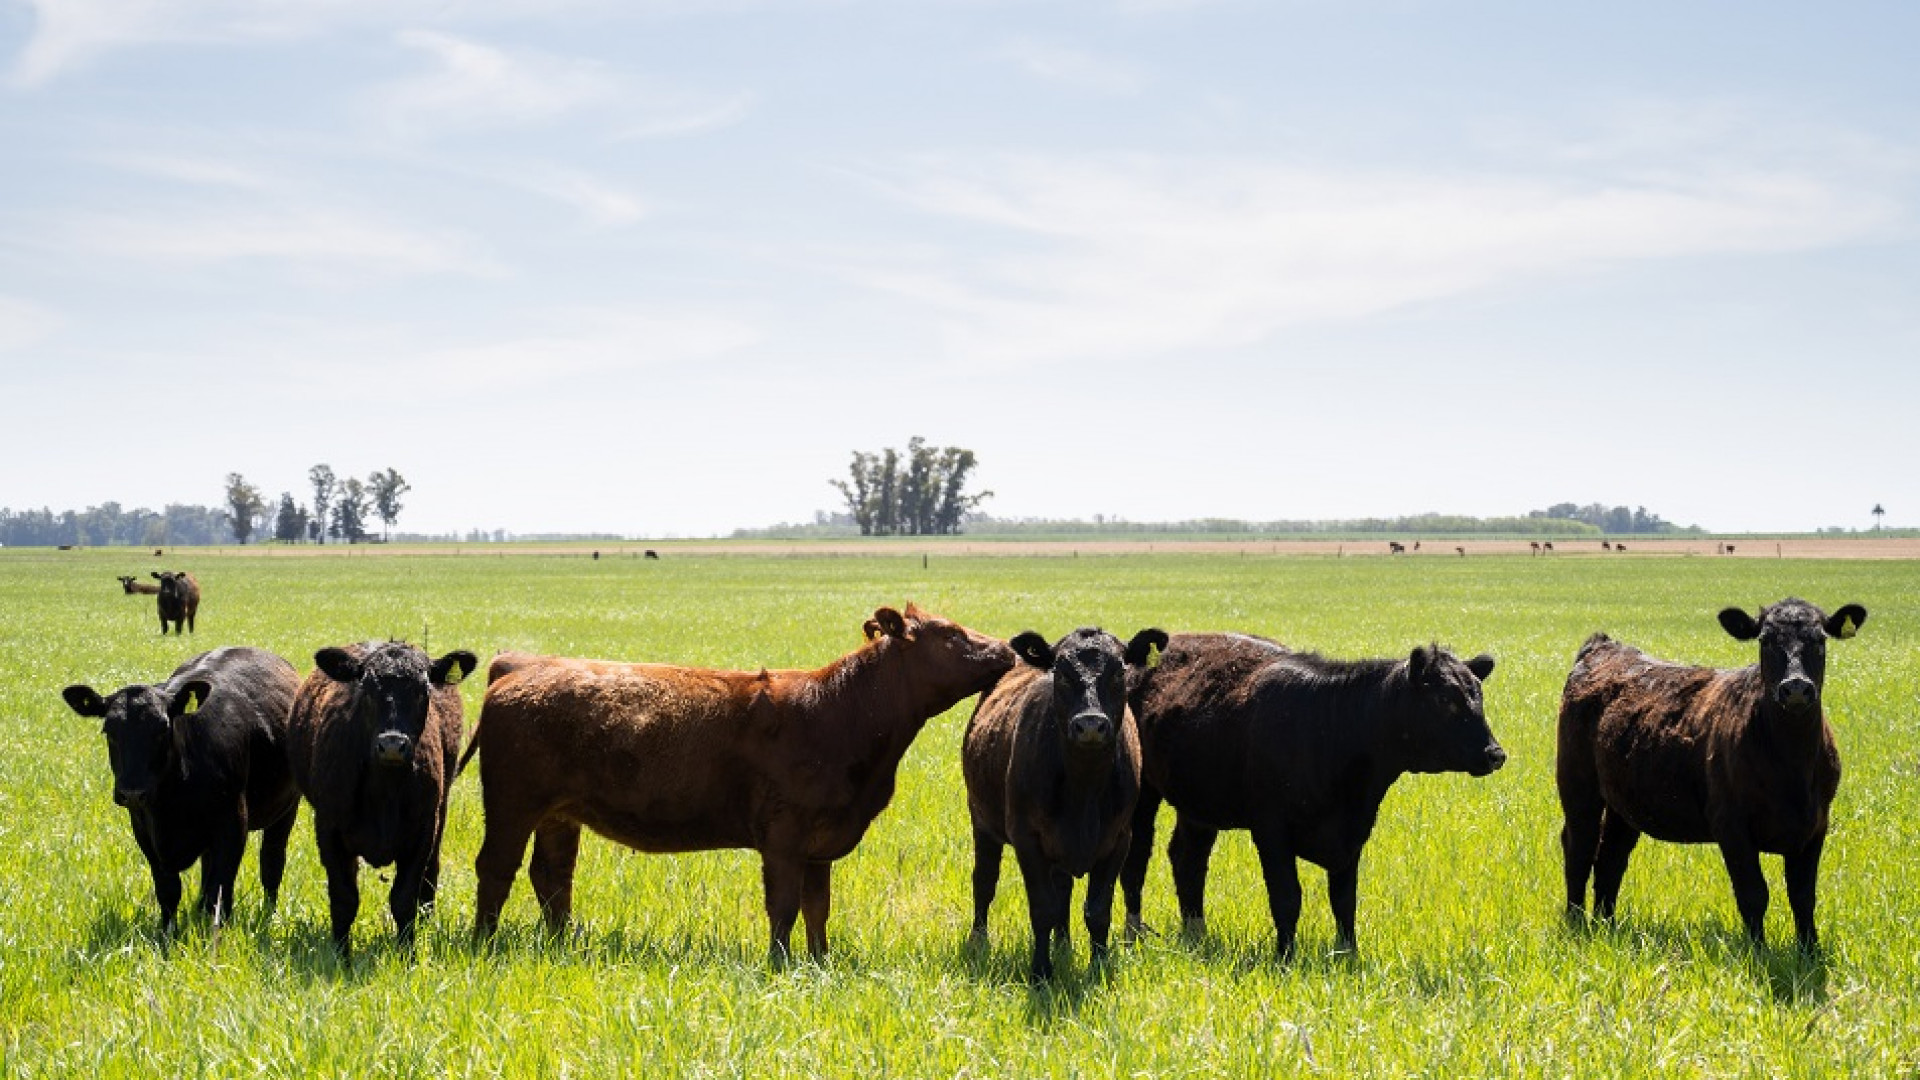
(1465, 966)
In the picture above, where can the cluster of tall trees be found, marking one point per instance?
(341, 508)
(919, 492)
(1612, 519)
(111, 524)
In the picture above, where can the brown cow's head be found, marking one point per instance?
(1447, 730)
(948, 659)
(146, 728)
(1087, 672)
(392, 686)
(1793, 647)
(126, 583)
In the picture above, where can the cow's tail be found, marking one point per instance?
(503, 665)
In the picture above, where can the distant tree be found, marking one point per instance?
(350, 511)
(919, 493)
(244, 504)
(325, 486)
(290, 524)
(1878, 513)
(386, 489)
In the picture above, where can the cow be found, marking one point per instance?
(178, 599)
(137, 588)
(199, 761)
(792, 764)
(372, 740)
(1395, 547)
(1606, 545)
(1462, 551)
(650, 554)
(1536, 546)
(1240, 732)
(1546, 547)
(1052, 767)
(1743, 759)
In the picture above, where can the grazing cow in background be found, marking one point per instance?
(792, 764)
(1536, 547)
(1547, 547)
(178, 599)
(1416, 545)
(372, 740)
(137, 588)
(1052, 765)
(1239, 732)
(1395, 547)
(1744, 759)
(199, 761)
(1618, 546)
(1462, 551)
(1606, 545)
(651, 554)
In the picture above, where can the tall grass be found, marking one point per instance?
(1465, 967)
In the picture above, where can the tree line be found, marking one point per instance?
(341, 509)
(921, 492)
(1614, 520)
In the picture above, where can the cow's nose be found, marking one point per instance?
(392, 746)
(130, 798)
(1496, 757)
(1090, 729)
(1796, 692)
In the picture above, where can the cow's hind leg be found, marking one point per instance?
(501, 850)
(783, 878)
(1617, 839)
(816, 903)
(273, 854)
(556, 848)
(1581, 809)
(220, 867)
(1282, 874)
(1189, 851)
(988, 853)
(1133, 873)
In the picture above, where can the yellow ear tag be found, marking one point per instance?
(193, 704)
(1154, 652)
(1847, 629)
(455, 673)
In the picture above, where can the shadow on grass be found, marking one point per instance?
(1077, 976)
(1791, 974)
(119, 927)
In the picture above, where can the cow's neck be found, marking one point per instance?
(871, 691)
(1087, 774)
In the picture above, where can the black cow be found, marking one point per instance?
(1744, 759)
(178, 600)
(373, 739)
(1052, 765)
(199, 761)
(1240, 732)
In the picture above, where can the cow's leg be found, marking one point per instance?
(1617, 839)
(220, 867)
(273, 854)
(406, 897)
(1343, 896)
(987, 853)
(1133, 873)
(1049, 898)
(1749, 884)
(1283, 886)
(556, 848)
(1188, 852)
(783, 878)
(166, 884)
(816, 903)
(501, 849)
(1582, 809)
(343, 884)
(1803, 871)
(1098, 910)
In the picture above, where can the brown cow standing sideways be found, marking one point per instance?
(1052, 764)
(372, 741)
(792, 764)
(178, 599)
(137, 588)
(1239, 732)
(1692, 755)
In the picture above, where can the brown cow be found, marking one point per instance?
(178, 599)
(792, 764)
(137, 588)
(1743, 759)
(372, 741)
(1052, 764)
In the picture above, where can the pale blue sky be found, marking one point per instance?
(656, 267)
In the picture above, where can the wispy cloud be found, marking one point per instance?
(24, 324)
(472, 84)
(1072, 67)
(191, 170)
(601, 203)
(318, 238)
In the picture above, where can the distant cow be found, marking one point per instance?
(1239, 732)
(1606, 545)
(1052, 765)
(1536, 547)
(179, 599)
(1546, 546)
(199, 761)
(650, 553)
(1618, 546)
(1692, 755)
(1395, 547)
(792, 764)
(137, 588)
(373, 738)
(1462, 551)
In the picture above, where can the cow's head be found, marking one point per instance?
(1793, 647)
(126, 583)
(146, 730)
(1088, 675)
(1448, 731)
(173, 583)
(392, 686)
(950, 660)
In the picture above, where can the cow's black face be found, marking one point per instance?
(1793, 647)
(392, 695)
(1448, 731)
(145, 728)
(1089, 685)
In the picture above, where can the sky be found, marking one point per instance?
(657, 267)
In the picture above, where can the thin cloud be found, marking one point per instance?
(319, 238)
(473, 85)
(669, 116)
(24, 324)
(1072, 67)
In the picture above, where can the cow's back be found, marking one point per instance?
(247, 715)
(1195, 710)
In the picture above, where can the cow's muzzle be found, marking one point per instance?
(392, 748)
(1797, 693)
(1090, 730)
(131, 798)
(1491, 761)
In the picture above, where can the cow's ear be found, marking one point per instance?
(339, 664)
(1481, 666)
(1034, 649)
(158, 576)
(1741, 625)
(1146, 647)
(871, 629)
(1417, 663)
(189, 700)
(451, 668)
(890, 622)
(1846, 622)
(83, 700)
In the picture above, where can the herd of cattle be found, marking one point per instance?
(1069, 753)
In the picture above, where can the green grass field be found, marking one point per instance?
(1465, 966)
